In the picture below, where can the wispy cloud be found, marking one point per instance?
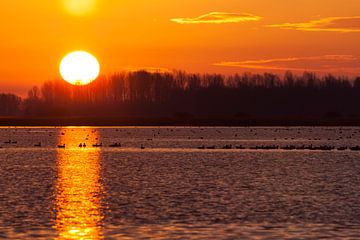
(330, 24)
(327, 63)
(218, 18)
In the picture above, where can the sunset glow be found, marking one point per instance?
(179, 119)
(194, 36)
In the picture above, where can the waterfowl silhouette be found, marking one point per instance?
(326, 148)
(291, 147)
(357, 148)
(115, 145)
(240, 147)
(342, 148)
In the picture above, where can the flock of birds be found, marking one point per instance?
(98, 145)
(287, 147)
(253, 133)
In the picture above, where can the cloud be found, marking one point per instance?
(328, 63)
(331, 24)
(218, 18)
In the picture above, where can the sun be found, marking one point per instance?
(79, 68)
(79, 7)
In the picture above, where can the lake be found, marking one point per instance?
(180, 183)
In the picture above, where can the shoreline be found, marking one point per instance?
(174, 122)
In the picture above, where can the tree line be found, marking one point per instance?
(177, 93)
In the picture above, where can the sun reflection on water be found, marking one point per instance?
(78, 188)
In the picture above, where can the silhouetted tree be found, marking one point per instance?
(144, 93)
(9, 104)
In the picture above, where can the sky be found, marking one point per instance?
(215, 36)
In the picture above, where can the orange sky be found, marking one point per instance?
(224, 36)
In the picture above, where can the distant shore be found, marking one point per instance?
(172, 121)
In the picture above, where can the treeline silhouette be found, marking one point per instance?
(184, 95)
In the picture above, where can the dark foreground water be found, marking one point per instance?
(173, 190)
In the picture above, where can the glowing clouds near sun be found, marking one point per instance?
(79, 7)
(330, 24)
(340, 64)
(79, 68)
(218, 18)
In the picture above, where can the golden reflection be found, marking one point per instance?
(78, 189)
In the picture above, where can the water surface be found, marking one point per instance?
(173, 190)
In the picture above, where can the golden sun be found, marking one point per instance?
(79, 7)
(79, 68)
